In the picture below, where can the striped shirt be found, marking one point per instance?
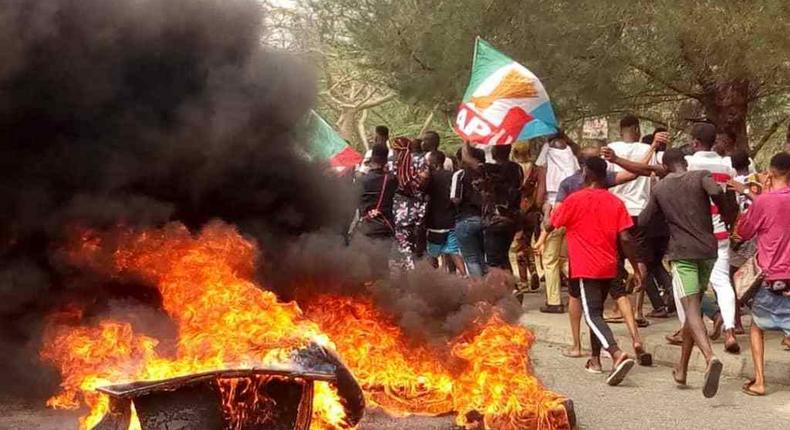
(721, 170)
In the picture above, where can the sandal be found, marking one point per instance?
(747, 389)
(642, 357)
(642, 323)
(733, 348)
(590, 369)
(658, 313)
(674, 339)
(712, 376)
(614, 320)
(620, 371)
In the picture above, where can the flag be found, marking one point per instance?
(504, 102)
(326, 145)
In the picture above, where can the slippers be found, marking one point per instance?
(620, 371)
(747, 389)
(572, 355)
(733, 348)
(672, 339)
(590, 369)
(642, 323)
(712, 375)
(614, 320)
(642, 357)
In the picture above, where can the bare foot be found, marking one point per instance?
(679, 376)
(786, 343)
(573, 352)
(717, 325)
(751, 388)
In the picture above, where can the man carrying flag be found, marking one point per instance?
(504, 102)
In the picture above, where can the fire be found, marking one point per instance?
(486, 371)
(224, 320)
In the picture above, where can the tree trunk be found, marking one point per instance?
(347, 126)
(727, 106)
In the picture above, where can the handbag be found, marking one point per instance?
(748, 279)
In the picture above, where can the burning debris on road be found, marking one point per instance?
(129, 128)
(226, 321)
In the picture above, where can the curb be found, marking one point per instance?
(777, 363)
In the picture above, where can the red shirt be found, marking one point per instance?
(592, 219)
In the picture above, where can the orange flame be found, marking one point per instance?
(224, 320)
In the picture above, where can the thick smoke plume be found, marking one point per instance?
(140, 112)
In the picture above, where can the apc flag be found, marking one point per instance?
(327, 145)
(504, 102)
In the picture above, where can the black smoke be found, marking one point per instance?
(141, 112)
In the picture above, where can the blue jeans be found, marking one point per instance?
(469, 232)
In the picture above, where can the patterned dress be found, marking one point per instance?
(409, 207)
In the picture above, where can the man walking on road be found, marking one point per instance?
(683, 199)
(594, 221)
(704, 158)
(557, 160)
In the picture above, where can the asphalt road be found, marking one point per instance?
(647, 399)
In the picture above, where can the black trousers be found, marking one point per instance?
(593, 295)
(659, 281)
(496, 243)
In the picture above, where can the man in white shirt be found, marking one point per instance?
(556, 162)
(634, 195)
(704, 158)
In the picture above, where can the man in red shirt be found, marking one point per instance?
(594, 221)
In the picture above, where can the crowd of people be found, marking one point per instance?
(623, 220)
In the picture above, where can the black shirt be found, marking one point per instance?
(462, 188)
(500, 186)
(376, 194)
(441, 211)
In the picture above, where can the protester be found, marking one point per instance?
(522, 257)
(703, 137)
(469, 206)
(634, 195)
(381, 136)
(557, 160)
(767, 220)
(441, 214)
(682, 200)
(499, 183)
(568, 186)
(377, 189)
(593, 236)
(430, 142)
(410, 202)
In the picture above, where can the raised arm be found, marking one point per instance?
(641, 169)
(468, 159)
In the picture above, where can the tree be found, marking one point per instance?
(347, 91)
(731, 59)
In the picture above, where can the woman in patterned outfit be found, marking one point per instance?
(410, 203)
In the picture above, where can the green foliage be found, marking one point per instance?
(594, 57)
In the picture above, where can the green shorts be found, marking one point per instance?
(691, 277)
